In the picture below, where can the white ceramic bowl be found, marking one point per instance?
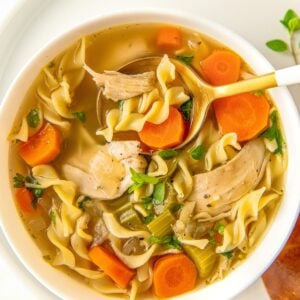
(67, 288)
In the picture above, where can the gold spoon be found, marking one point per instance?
(204, 94)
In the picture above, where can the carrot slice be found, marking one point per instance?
(246, 114)
(41, 148)
(111, 265)
(168, 134)
(173, 274)
(24, 199)
(221, 67)
(169, 38)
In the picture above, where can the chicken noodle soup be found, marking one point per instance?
(98, 179)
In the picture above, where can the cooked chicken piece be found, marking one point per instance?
(117, 86)
(103, 172)
(230, 182)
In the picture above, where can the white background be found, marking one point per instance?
(26, 25)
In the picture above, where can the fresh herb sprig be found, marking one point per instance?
(168, 154)
(80, 115)
(199, 152)
(291, 22)
(186, 109)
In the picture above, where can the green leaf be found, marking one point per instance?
(142, 178)
(167, 154)
(37, 192)
(274, 133)
(277, 45)
(33, 118)
(294, 25)
(175, 208)
(19, 180)
(185, 58)
(159, 193)
(290, 14)
(186, 109)
(82, 203)
(199, 152)
(228, 254)
(147, 203)
(134, 187)
(219, 228)
(149, 218)
(168, 241)
(80, 115)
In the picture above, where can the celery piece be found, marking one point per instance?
(162, 225)
(205, 260)
(130, 218)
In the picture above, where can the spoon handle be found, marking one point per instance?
(281, 77)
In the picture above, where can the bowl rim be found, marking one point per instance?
(31, 257)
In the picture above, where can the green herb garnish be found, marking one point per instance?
(82, 203)
(19, 180)
(228, 254)
(198, 153)
(139, 179)
(33, 118)
(186, 109)
(274, 133)
(291, 22)
(80, 115)
(185, 58)
(159, 193)
(168, 241)
(148, 218)
(147, 203)
(167, 154)
(219, 228)
(175, 208)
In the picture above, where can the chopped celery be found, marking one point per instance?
(205, 260)
(130, 218)
(162, 225)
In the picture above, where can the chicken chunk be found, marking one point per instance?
(117, 86)
(230, 182)
(103, 172)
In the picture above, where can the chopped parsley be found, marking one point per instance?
(53, 216)
(228, 254)
(175, 208)
(147, 203)
(168, 241)
(19, 180)
(185, 58)
(33, 118)
(186, 109)
(168, 154)
(149, 218)
(80, 115)
(82, 203)
(198, 153)
(274, 133)
(140, 179)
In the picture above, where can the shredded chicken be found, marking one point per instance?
(103, 172)
(230, 182)
(117, 86)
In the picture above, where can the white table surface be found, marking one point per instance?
(41, 20)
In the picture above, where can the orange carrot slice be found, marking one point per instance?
(169, 38)
(221, 67)
(43, 147)
(111, 265)
(173, 275)
(245, 114)
(24, 199)
(168, 134)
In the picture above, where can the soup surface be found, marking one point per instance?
(101, 185)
